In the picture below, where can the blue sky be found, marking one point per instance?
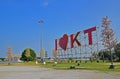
(19, 27)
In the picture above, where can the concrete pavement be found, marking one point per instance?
(34, 72)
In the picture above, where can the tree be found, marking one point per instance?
(42, 53)
(28, 55)
(54, 53)
(104, 55)
(9, 53)
(108, 37)
(27, 52)
(117, 51)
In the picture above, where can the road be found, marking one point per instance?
(34, 72)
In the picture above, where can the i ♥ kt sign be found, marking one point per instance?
(66, 40)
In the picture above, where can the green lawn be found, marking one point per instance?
(101, 66)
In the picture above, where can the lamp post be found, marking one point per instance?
(41, 22)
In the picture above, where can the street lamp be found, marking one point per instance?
(41, 22)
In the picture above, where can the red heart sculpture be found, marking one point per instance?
(63, 42)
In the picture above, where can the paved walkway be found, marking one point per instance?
(32, 72)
